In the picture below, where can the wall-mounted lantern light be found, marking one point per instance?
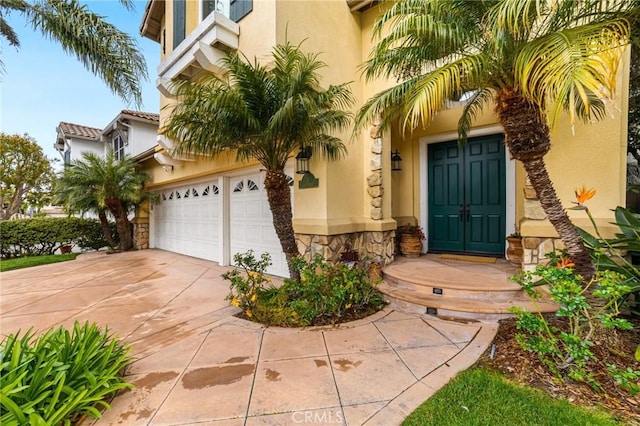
(302, 160)
(302, 167)
(396, 161)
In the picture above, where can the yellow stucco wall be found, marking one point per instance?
(593, 154)
(340, 203)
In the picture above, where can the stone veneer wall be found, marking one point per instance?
(141, 233)
(535, 248)
(377, 245)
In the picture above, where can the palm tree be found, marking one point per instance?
(109, 184)
(534, 59)
(263, 114)
(112, 55)
(76, 199)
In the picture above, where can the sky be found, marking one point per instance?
(42, 85)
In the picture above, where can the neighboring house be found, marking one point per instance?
(468, 198)
(74, 139)
(131, 132)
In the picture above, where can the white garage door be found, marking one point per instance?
(186, 220)
(251, 223)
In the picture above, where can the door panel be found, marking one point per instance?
(445, 197)
(467, 187)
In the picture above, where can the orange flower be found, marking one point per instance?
(565, 262)
(584, 194)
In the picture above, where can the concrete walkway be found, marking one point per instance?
(198, 364)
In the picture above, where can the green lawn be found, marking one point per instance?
(481, 397)
(26, 262)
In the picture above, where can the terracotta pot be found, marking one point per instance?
(410, 245)
(515, 252)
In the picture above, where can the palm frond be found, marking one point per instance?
(421, 34)
(470, 111)
(261, 113)
(86, 184)
(574, 63)
(8, 33)
(420, 98)
(112, 55)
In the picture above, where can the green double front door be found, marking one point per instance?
(467, 190)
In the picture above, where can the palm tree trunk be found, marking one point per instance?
(279, 196)
(528, 139)
(122, 223)
(539, 177)
(106, 228)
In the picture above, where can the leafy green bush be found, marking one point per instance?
(61, 375)
(40, 236)
(92, 237)
(609, 253)
(325, 293)
(566, 350)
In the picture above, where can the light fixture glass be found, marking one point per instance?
(396, 161)
(302, 160)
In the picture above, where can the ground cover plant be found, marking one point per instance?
(589, 350)
(325, 293)
(526, 368)
(59, 376)
(29, 261)
(480, 396)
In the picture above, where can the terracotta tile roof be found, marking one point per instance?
(140, 114)
(70, 129)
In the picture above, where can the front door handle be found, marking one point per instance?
(468, 213)
(461, 212)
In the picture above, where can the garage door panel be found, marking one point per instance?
(186, 221)
(251, 223)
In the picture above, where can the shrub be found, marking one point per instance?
(40, 236)
(608, 253)
(564, 345)
(325, 293)
(92, 237)
(61, 375)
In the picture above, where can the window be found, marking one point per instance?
(118, 147)
(179, 21)
(238, 9)
(209, 6)
(67, 157)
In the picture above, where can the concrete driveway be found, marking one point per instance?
(198, 364)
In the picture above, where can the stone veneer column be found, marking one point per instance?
(535, 248)
(374, 180)
(141, 233)
(378, 246)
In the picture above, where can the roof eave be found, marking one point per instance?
(151, 20)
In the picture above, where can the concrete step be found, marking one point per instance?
(479, 308)
(448, 289)
(455, 275)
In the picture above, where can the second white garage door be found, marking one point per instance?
(186, 220)
(251, 223)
